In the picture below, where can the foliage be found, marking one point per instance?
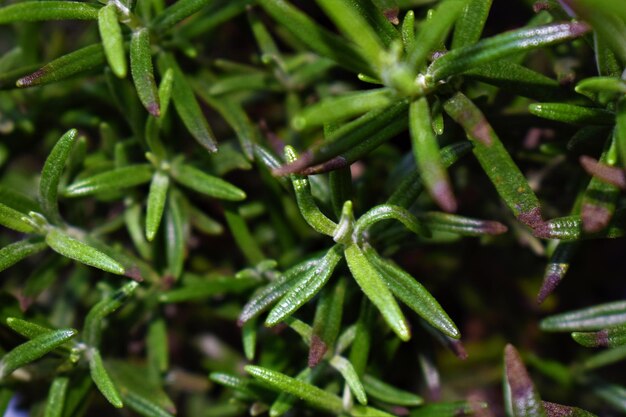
(216, 207)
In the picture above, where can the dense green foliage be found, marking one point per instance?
(247, 207)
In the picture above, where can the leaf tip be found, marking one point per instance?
(317, 350)
(31, 79)
(550, 282)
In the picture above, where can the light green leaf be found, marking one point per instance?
(64, 244)
(114, 180)
(33, 350)
(379, 390)
(156, 203)
(201, 182)
(142, 72)
(352, 379)
(313, 395)
(587, 319)
(15, 220)
(27, 329)
(305, 287)
(469, 26)
(112, 41)
(56, 397)
(372, 284)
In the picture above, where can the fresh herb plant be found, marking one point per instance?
(247, 207)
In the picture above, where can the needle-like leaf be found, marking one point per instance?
(112, 40)
(102, 379)
(142, 72)
(15, 252)
(34, 11)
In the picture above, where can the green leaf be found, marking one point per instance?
(327, 322)
(205, 288)
(156, 203)
(15, 220)
(588, 319)
(601, 85)
(348, 19)
(34, 11)
(83, 60)
(114, 180)
(269, 294)
(351, 141)
(56, 397)
(379, 390)
(503, 45)
(374, 287)
(519, 80)
(359, 351)
(385, 212)
(427, 156)
(157, 345)
(434, 31)
(521, 393)
(27, 329)
(408, 31)
(345, 106)
(315, 36)
(448, 409)
(201, 182)
(412, 293)
(496, 161)
(143, 395)
(142, 72)
(249, 339)
(175, 13)
(612, 337)
(569, 113)
(305, 287)
(464, 226)
(186, 104)
(316, 397)
(243, 237)
(102, 379)
(15, 252)
(72, 248)
(352, 379)
(175, 240)
(469, 26)
(94, 321)
(51, 175)
(307, 205)
(33, 350)
(112, 41)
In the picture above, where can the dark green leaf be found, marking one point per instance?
(201, 182)
(176, 13)
(15, 252)
(186, 104)
(587, 319)
(51, 175)
(82, 60)
(142, 72)
(503, 45)
(102, 379)
(569, 113)
(33, 11)
(175, 239)
(205, 288)
(469, 26)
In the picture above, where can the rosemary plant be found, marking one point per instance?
(248, 207)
